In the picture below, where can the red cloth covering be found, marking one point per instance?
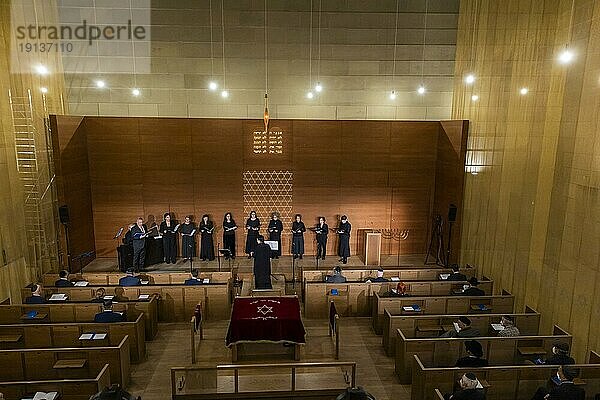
(272, 319)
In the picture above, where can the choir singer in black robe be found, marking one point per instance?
(138, 233)
(207, 247)
(252, 226)
(298, 230)
(262, 264)
(344, 233)
(169, 238)
(321, 230)
(188, 239)
(275, 228)
(229, 228)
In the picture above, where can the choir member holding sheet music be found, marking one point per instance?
(344, 244)
(138, 233)
(207, 250)
(229, 228)
(168, 229)
(298, 230)
(188, 242)
(322, 229)
(275, 228)
(253, 227)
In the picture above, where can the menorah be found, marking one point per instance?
(399, 235)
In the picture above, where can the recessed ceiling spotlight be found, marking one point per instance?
(44, 89)
(41, 69)
(392, 95)
(224, 94)
(100, 84)
(135, 92)
(213, 86)
(566, 56)
(469, 79)
(310, 95)
(421, 89)
(524, 91)
(318, 87)
(474, 97)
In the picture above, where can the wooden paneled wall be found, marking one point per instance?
(382, 174)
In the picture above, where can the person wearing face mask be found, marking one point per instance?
(469, 389)
(344, 233)
(564, 388)
(509, 327)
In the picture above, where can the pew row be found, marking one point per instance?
(66, 363)
(404, 274)
(68, 389)
(443, 352)
(354, 298)
(83, 312)
(515, 382)
(413, 326)
(499, 304)
(176, 303)
(155, 278)
(39, 336)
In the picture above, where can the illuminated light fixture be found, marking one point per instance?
(421, 89)
(41, 69)
(224, 94)
(318, 87)
(310, 95)
(393, 95)
(474, 172)
(469, 79)
(524, 91)
(135, 92)
(100, 84)
(474, 97)
(213, 86)
(44, 89)
(566, 56)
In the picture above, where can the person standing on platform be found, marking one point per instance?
(168, 229)
(253, 227)
(138, 233)
(298, 230)
(188, 238)
(262, 264)
(344, 246)
(275, 228)
(322, 230)
(229, 228)
(207, 247)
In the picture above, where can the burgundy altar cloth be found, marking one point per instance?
(271, 319)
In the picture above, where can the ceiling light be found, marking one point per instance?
(318, 88)
(566, 56)
(135, 92)
(421, 89)
(100, 84)
(41, 69)
(524, 91)
(213, 86)
(310, 95)
(224, 94)
(44, 89)
(469, 79)
(474, 97)
(392, 95)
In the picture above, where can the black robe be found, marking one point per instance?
(344, 232)
(207, 248)
(298, 229)
(253, 228)
(322, 232)
(188, 243)
(262, 266)
(275, 228)
(169, 239)
(229, 236)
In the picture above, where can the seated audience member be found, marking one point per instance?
(379, 278)
(473, 290)
(337, 276)
(355, 393)
(470, 389)
(36, 295)
(130, 280)
(474, 356)
(120, 295)
(99, 296)
(564, 388)
(509, 327)
(63, 279)
(462, 329)
(193, 280)
(560, 356)
(456, 275)
(107, 314)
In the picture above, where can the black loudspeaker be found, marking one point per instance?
(452, 213)
(63, 214)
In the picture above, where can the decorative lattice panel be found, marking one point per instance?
(266, 192)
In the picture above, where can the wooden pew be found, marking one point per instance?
(443, 352)
(156, 278)
(176, 303)
(404, 274)
(413, 326)
(34, 336)
(355, 298)
(65, 363)
(69, 389)
(505, 382)
(499, 304)
(84, 312)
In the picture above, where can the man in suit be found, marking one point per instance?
(456, 275)
(560, 355)
(462, 329)
(474, 356)
(107, 314)
(63, 279)
(379, 278)
(473, 290)
(130, 280)
(470, 389)
(99, 296)
(36, 295)
(138, 233)
(337, 276)
(193, 280)
(564, 388)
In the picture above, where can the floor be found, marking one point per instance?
(375, 371)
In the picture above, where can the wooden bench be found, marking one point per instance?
(432, 325)
(403, 274)
(38, 364)
(156, 278)
(439, 305)
(357, 296)
(443, 352)
(505, 382)
(69, 389)
(49, 335)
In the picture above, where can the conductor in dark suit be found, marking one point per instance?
(36, 295)
(138, 234)
(564, 388)
(108, 315)
(262, 264)
(63, 279)
(130, 280)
